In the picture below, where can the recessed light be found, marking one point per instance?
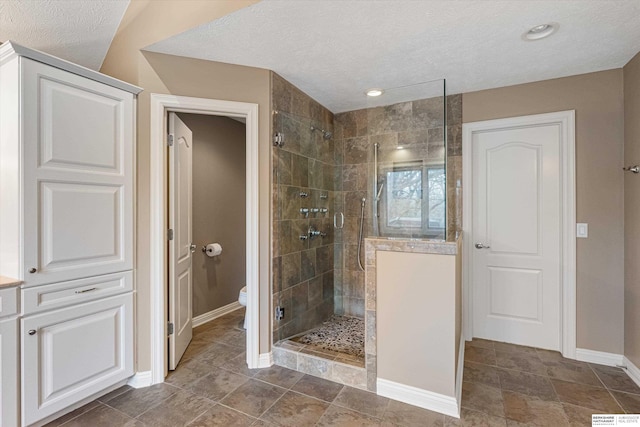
(399, 148)
(540, 31)
(374, 92)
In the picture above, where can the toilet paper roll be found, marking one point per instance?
(213, 249)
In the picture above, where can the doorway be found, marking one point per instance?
(519, 231)
(207, 214)
(161, 106)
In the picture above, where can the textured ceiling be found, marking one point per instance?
(79, 31)
(334, 50)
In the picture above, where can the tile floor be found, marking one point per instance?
(504, 385)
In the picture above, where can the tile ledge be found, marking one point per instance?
(411, 245)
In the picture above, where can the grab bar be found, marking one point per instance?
(377, 191)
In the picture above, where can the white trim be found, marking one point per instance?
(632, 370)
(265, 360)
(160, 105)
(568, 224)
(459, 374)
(140, 380)
(599, 357)
(9, 46)
(214, 314)
(418, 397)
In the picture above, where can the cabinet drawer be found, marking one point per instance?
(48, 297)
(8, 301)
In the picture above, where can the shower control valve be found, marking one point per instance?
(315, 233)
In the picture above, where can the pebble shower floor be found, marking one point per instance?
(341, 334)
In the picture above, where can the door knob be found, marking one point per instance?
(482, 246)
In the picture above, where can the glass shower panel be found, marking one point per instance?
(407, 131)
(281, 230)
(303, 244)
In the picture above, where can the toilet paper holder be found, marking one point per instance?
(212, 249)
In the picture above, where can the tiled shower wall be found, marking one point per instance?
(416, 125)
(454, 167)
(303, 270)
(315, 278)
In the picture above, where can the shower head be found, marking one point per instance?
(326, 135)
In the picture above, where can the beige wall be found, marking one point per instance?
(146, 22)
(597, 99)
(219, 193)
(632, 211)
(149, 21)
(416, 320)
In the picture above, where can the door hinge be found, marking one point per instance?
(170, 329)
(170, 234)
(170, 140)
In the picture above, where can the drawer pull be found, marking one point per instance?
(86, 290)
(32, 332)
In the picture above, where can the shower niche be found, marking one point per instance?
(390, 170)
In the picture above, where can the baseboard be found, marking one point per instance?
(140, 380)
(599, 357)
(214, 314)
(265, 360)
(459, 374)
(632, 370)
(417, 397)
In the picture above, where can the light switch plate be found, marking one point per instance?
(582, 230)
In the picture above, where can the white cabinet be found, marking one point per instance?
(75, 352)
(9, 355)
(74, 151)
(66, 231)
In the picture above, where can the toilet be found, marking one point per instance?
(242, 299)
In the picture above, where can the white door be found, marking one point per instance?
(180, 246)
(516, 276)
(78, 176)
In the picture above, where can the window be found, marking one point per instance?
(407, 207)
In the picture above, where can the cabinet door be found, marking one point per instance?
(73, 353)
(77, 141)
(9, 372)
